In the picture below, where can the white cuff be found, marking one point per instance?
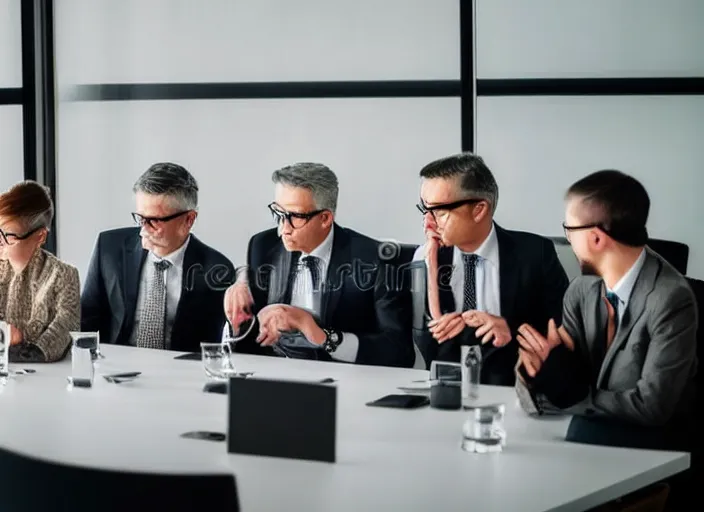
(347, 349)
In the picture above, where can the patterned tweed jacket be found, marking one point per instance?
(43, 302)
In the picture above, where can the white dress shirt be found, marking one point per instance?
(487, 275)
(173, 281)
(625, 285)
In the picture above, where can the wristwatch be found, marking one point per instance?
(332, 340)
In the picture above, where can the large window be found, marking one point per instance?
(234, 90)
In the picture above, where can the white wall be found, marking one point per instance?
(375, 146)
(538, 146)
(594, 38)
(10, 44)
(256, 40)
(11, 151)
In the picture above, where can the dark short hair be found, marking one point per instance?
(476, 179)
(617, 202)
(166, 178)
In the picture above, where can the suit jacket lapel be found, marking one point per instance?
(280, 279)
(508, 276)
(133, 261)
(191, 257)
(339, 268)
(634, 310)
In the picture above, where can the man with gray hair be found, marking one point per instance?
(156, 285)
(315, 288)
(483, 281)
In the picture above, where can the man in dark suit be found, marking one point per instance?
(157, 285)
(316, 289)
(482, 281)
(625, 356)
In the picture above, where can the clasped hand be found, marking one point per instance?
(488, 327)
(277, 318)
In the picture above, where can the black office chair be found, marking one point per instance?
(29, 483)
(675, 253)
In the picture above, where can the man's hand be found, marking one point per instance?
(530, 361)
(430, 228)
(488, 327)
(16, 335)
(447, 326)
(238, 304)
(534, 342)
(535, 348)
(281, 317)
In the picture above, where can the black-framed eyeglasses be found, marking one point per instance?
(141, 220)
(443, 209)
(569, 229)
(13, 238)
(295, 219)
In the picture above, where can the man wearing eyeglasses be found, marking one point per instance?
(151, 286)
(482, 281)
(303, 288)
(624, 359)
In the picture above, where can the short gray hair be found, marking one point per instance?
(317, 178)
(173, 180)
(476, 180)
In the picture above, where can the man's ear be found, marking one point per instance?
(328, 218)
(480, 211)
(192, 216)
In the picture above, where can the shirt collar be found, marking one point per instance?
(176, 257)
(624, 287)
(489, 249)
(324, 250)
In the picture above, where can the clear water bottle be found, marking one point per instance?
(471, 361)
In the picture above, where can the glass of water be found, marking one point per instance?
(217, 360)
(483, 432)
(82, 366)
(4, 352)
(89, 340)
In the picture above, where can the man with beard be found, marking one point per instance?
(156, 285)
(624, 359)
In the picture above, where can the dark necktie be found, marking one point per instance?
(150, 332)
(470, 281)
(313, 264)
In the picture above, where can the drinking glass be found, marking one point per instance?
(217, 360)
(483, 432)
(82, 366)
(89, 339)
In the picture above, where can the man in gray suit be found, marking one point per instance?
(624, 359)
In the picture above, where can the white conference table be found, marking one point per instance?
(387, 459)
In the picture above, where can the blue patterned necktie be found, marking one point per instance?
(470, 281)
